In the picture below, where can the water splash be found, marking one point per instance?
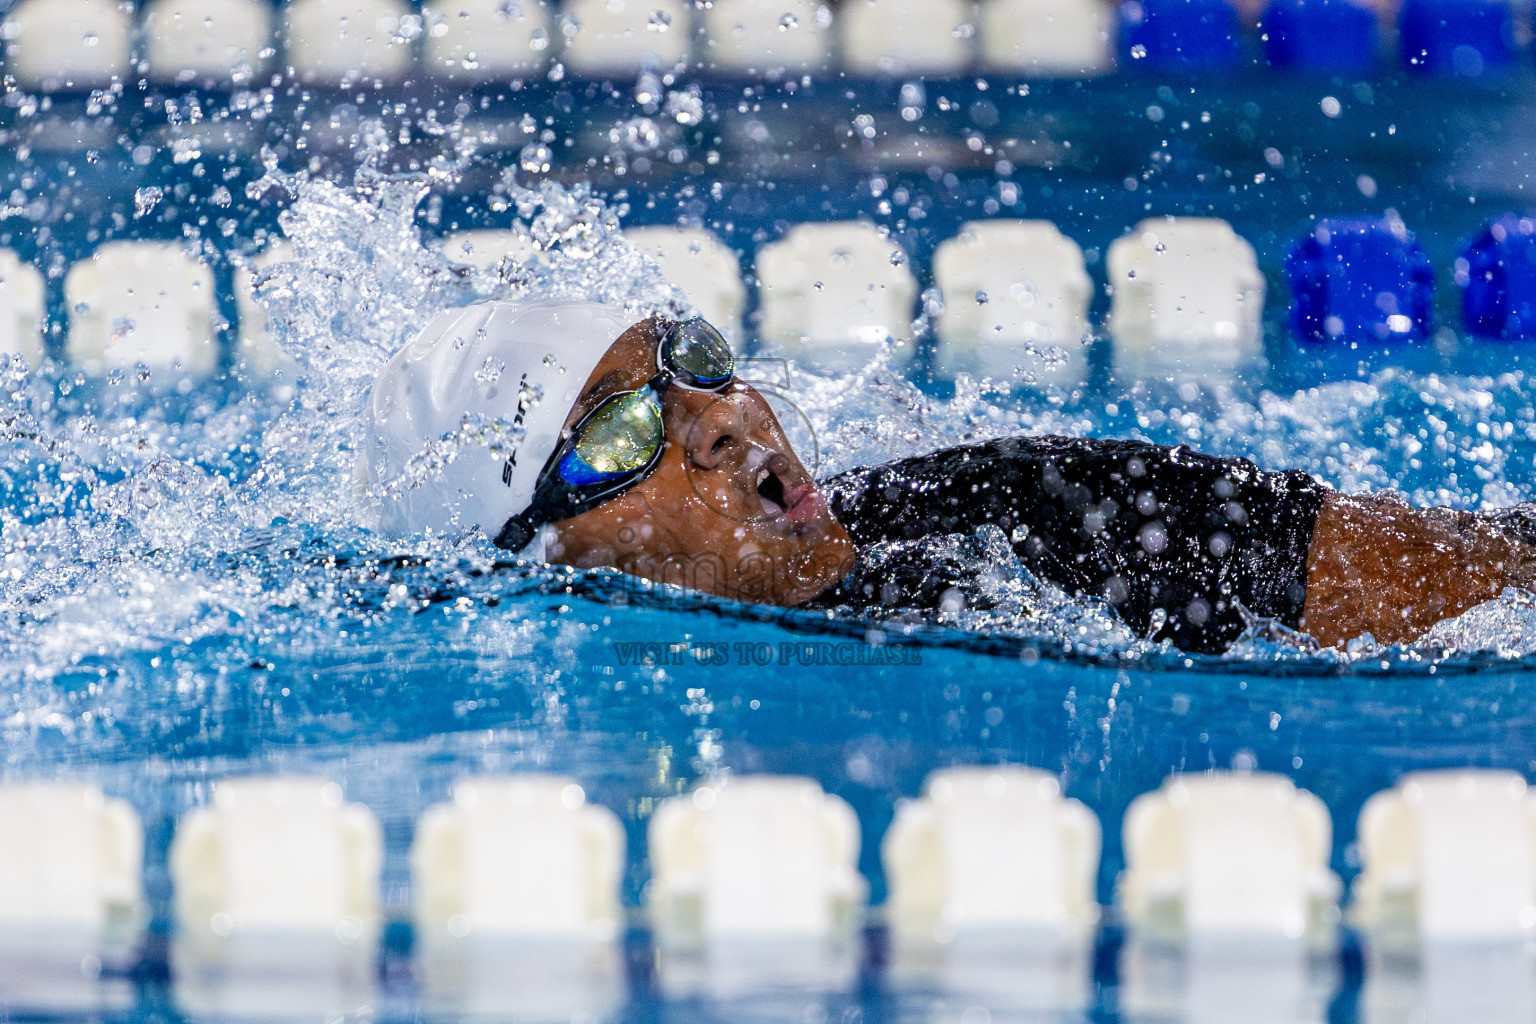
(140, 520)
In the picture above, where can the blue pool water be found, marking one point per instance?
(186, 597)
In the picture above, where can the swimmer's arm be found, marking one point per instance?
(1377, 565)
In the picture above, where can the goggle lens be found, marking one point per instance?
(622, 436)
(697, 353)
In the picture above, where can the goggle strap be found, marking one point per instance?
(516, 533)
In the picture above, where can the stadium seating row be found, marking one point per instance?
(80, 45)
(1013, 296)
(1445, 856)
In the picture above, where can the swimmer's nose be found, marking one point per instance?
(717, 433)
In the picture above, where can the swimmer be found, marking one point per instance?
(641, 450)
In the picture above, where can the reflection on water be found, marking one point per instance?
(989, 980)
(1011, 976)
(1491, 983)
(272, 977)
(520, 979)
(1231, 981)
(44, 973)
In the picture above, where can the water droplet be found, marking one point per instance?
(1130, 273)
(1138, 51)
(981, 297)
(410, 28)
(490, 371)
(659, 21)
(144, 199)
(898, 258)
(1159, 247)
(536, 158)
(788, 22)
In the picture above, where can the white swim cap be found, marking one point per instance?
(522, 363)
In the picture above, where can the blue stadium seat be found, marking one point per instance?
(1174, 35)
(1457, 38)
(1497, 277)
(1360, 280)
(1319, 35)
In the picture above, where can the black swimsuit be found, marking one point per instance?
(1176, 541)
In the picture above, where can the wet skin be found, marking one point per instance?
(729, 509)
(1378, 565)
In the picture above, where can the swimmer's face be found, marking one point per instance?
(728, 510)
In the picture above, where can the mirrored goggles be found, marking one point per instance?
(619, 443)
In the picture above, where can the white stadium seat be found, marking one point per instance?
(1016, 296)
(1048, 38)
(902, 37)
(141, 302)
(992, 849)
(1227, 856)
(1448, 855)
(767, 37)
(276, 886)
(207, 40)
(833, 295)
(487, 248)
(755, 856)
(520, 855)
(23, 305)
(69, 858)
(340, 42)
(485, 40)
(516, 891)
(704, 268)
(1188, 300)
(261, 353)
(68, 44)
(277, 855)
(70, 898)
(624, 37)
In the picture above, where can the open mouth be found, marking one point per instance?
(771, 490)
(794, 506)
